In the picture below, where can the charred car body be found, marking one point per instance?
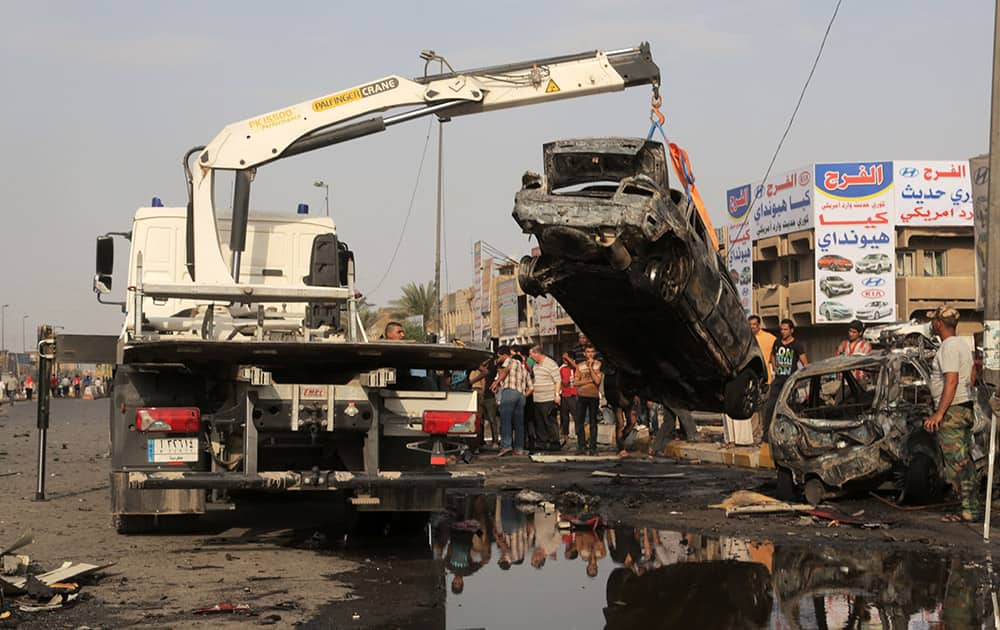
(634, 265)
(855, 420)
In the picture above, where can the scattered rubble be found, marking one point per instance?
(37, 592)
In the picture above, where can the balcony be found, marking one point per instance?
(769, 302)
(801, 243)
(768, 249)
(801, 302)
(916, 295)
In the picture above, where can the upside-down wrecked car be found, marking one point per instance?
(858, 420)
(635, 266)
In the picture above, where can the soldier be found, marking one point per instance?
(950, 384)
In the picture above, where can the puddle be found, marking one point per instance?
(490, 564)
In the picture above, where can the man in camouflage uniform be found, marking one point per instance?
(950, 383)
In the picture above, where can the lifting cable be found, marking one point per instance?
(681, 162)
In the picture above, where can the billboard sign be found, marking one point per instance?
(930, 194)
(739, 244)
(783, 203)
(855, 242)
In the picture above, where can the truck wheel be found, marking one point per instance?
(742, 394)
(132, 524)
(922, 483)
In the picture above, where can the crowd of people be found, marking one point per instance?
(537, 402)
(64, 385)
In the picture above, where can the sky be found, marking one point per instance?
(102, 100)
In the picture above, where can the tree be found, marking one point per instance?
(417, 299)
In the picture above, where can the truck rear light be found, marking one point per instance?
(451, 422)
(168, 419)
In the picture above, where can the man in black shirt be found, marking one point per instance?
(785, 358)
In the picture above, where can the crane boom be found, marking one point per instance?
(245, 145)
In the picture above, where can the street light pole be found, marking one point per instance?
(3, 335)
(24, 344)
(319, 183)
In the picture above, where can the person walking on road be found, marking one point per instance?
(511, 386)
(588, 380)
(29, 387)
(951, 386)
(545, 395)
(785, 359)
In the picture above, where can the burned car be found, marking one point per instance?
(635, 266)
(858, 421)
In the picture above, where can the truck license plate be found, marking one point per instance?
(173, 449)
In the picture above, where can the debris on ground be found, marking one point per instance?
(37, 592)
(530, 496)
(836, 519)
(749, 502)
(605, 473)
(574, 498)
(562, 459)
(225, 608)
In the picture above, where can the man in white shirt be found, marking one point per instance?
(951, 386)
(545, 394)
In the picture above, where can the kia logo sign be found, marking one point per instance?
(871, 294)
(873, 281)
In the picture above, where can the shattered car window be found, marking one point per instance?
(913, 387)
(837, 395)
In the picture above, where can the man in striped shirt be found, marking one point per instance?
(546, 393)
(511, 386)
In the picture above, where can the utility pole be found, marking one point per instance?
(991, 301)
(437, 240)
(3, 336)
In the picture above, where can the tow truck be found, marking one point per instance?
(241, 363)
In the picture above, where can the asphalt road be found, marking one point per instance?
(293, 562)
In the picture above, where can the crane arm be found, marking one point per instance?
(333, 118)
(358, 111)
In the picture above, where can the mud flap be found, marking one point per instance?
(128, 501)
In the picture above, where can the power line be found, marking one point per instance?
(409, 210)
(802, 94)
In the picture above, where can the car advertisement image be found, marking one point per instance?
(855, 240)
(934, 193)
(739, 244)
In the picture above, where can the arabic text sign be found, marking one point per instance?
(507, 303)
(545, 315)
(783, 203)
(855, 242)
(934, 193)
(739, 246)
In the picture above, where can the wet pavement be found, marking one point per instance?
(492, 563)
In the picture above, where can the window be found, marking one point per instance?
(837, 395)
(933, 262)
(905, 263)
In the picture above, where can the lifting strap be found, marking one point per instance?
(682, 165)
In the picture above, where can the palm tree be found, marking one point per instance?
(417, 299)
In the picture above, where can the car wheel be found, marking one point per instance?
(922, 484)
(786, 486)
(814, 491)
(742, 395)
(526, 276)
(669, 276)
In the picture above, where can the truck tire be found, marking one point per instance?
(742, 395)
(922, 480)
(526, 278)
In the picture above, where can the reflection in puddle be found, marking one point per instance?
(508, 568)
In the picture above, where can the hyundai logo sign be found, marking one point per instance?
(873, 281)
(871, 294)
(909, 171)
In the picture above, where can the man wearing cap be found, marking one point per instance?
(950, 384)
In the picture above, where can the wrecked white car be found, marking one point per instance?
(858, 421)
(634, 265)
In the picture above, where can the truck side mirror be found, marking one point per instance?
(102, 283)
(105, 257)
